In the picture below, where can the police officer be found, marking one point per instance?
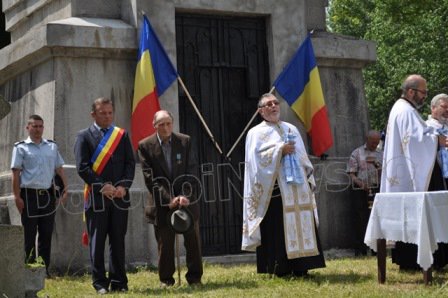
(34, 164)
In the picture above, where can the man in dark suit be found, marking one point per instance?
(166, 164)
(105, 161)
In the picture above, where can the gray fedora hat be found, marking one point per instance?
(180, 220)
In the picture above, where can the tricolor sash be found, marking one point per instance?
(103, 153)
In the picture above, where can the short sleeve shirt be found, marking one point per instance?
(363, 170)
(37, 162)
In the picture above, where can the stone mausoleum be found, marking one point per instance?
(57, 56)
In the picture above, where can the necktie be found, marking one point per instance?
(104, 131)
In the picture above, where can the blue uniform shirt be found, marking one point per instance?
(37, 162)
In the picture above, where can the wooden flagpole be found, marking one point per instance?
(247, 126)
(199, 115)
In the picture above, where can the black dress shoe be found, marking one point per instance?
(118, 287)
(119, 290)
(164, 285)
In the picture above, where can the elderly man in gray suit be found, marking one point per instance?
(167, 164)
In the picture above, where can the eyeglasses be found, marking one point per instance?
(270, 104)
(424, 92)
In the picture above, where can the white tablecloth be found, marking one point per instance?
(414, 217)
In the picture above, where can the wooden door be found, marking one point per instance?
(223, 62)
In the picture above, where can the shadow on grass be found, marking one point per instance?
(339, 278)
(209, 286)
(416, 278)
(317, 279)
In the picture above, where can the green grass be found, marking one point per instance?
(349, 277)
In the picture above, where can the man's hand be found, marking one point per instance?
(20, 204)
(288, 148)
(365, 186)
(359, 182)
(184, 201)
(174, 203)
(180, 200)
(63, 198)
(120, 192)
(443, 141)
(108, 190)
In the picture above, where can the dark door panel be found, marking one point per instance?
(223, 62)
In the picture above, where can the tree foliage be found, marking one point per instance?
(411, 37)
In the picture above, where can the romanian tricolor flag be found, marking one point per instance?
(154, 74)
(299, 84)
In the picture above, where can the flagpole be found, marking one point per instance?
(199, 115)
(247, 126)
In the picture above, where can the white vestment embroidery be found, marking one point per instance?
(264, 144)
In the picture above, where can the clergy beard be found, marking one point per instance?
(419, 106)
(418, 101)
(272, 117)
(443, 120)
(271, 114)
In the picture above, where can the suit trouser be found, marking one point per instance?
(109, 221)
(165, 240)
(38, 216)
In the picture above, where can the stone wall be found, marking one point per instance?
(16, 280)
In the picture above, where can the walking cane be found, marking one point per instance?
(178, 258)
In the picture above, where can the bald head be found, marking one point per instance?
(373, 139)
(160, 115)
(414, 89)
(373, 133)
(412, 82)
(163, 123)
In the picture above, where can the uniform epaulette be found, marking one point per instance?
(18, 143)
(51, 141)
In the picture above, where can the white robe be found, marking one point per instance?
(264, 144)
(409, 151)
(435, 123)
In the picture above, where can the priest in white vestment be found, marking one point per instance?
(409, 155)
(279, 218)
(410, 146)
(439, 120)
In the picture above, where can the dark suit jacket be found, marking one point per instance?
(119, 170)
(163, 186)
